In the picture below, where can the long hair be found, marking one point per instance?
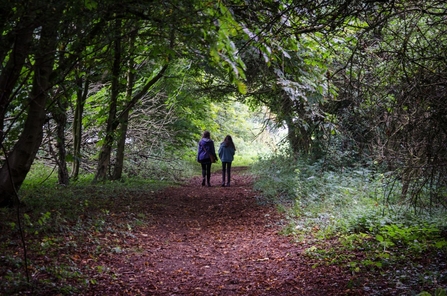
(228, 142)
(206, 134)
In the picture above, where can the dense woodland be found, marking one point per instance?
(121, 89)
(359, 76)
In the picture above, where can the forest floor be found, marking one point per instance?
(213, 241)
(187, 239)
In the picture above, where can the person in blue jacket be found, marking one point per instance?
(206, 155)
(226, 155)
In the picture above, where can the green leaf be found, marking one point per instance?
(241, 87)
(90, 4)
(441, 244)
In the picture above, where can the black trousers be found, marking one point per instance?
(226, 171)
(206, 171)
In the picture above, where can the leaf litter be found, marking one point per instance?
(214, 241)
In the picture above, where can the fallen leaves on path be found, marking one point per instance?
(210, 241)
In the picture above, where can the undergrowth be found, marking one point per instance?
(351, 216)
(61, 222)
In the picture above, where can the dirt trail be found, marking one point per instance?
(214, 241)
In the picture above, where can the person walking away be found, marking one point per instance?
(226, 155)
(206, 155)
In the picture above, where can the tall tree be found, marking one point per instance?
(35, 32)
(396, 93)
(82, 84)
(170, 39)
(59, 115)
(20, 159)
(106, 149)
(124, 118)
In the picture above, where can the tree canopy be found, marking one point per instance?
(84, 81)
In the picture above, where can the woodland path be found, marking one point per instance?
(215, 241)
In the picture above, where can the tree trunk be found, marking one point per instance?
(124, 117)
(13, 68)
(106, 149)
(81, 97)
(299, 138)
(21, 157)
(60, 117)
(121, 145)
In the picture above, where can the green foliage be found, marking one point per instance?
(249, 136)
(223, 51)
(347, 217)
(41, 175)
(383, 106)
(382, 113)
(277, 178)
(438, 292)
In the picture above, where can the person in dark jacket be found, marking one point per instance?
(226, 155)
(206, 155)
